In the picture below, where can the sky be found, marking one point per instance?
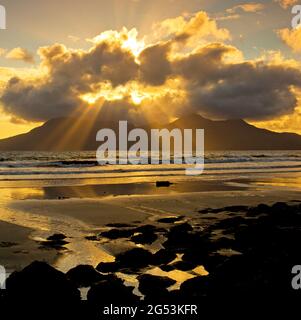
(150, 60)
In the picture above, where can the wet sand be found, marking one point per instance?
(38, 217)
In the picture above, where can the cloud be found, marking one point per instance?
(122, 76)
(70, 73)
(250, 90)
(252, 7)
(155, 66)
(195, 26)
(291, 37)
(286, 3)
(227, 17)
(20, 54)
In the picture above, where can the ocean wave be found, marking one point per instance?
(163, 168)
(94, 163)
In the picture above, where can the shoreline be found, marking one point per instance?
(79, 218)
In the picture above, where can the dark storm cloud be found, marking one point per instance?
(155, 66)
(249, 90)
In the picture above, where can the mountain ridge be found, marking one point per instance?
(72, 134)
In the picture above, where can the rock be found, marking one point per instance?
(56, 241)
(225, 209)
(144, 238)
(160, 184)
(41, 287)
(134, 258)
(56, 237)
(163, 257)
(212, 210)
(111, 290)
(84, 275)
(234, 222)
(195, 288)
(167, 268)
(222, 243)
(92, 238)
(170, 220)
(236, 208)
(147, 234)
(280, 206)
(150, 285)
(205, 211)
(260, 209)
(184, 265)
(180, 238)
(117, 233)
(181, 228)
(107, 267)
(195, 256)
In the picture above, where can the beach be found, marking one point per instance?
(130, 228)
(42, 194)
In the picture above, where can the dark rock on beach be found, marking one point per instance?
(107, 267)
(249, 256)
(225, 209)
(160, 184)
(92, 238)
(40, 286)
(56, 241)
(170, 219)
(184, 265)
(56, 237)
(163, 257)
(260, 209)
(111, 290)
(151, 286)
(117, 233)
(144, 238)
(134, 258)
(84, 275)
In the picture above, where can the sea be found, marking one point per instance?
(57, 167)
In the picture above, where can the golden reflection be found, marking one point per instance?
(286, 182)
(177, 275)
(20, 193)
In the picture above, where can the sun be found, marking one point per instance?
(137, 97)
(132, 43)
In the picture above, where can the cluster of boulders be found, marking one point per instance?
(265, 240)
